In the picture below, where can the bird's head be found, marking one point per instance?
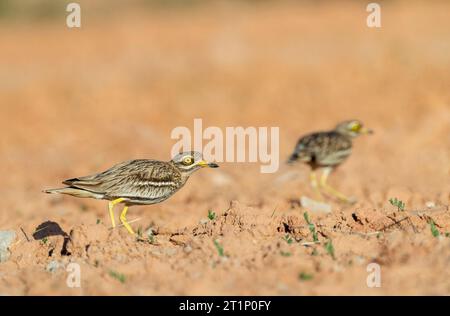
(190, 161)
(352, 128)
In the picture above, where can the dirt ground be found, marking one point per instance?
(74, 102)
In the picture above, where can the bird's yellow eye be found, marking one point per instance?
(355, 126)
(188, 160)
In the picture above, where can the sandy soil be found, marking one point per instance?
(73, 102)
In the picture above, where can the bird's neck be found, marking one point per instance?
(184, 176)
(347, 135)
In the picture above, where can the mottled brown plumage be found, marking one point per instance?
(141, 181)
(327, 150)
(322, 149)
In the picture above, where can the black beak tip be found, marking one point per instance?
(213, 165)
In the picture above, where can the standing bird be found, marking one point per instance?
(136, 182)
(327, 150)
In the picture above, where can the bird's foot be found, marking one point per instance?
(123, 219)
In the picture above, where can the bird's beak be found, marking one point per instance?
(365, 130)
(203, 164)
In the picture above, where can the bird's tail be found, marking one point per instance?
(74, 192)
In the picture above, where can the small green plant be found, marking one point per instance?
(285, 253)
(211, 215)
(44, 240)
(219, 248)
(288, 239)
(330, 248)
(397, 203)
(303, 276)
(118, 276)
(434, 230)
(447, 234)
(150, 236)
(98, 221)
(311, 226)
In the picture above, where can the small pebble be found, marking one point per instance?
(430, 204)
(315, 206)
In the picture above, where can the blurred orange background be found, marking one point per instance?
(77, 101)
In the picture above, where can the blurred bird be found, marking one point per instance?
(136, 182)
(327, 150)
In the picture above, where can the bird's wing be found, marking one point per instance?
(334, 149)
(307, 147)
(141, 179)
(96, 179)
(323, 148)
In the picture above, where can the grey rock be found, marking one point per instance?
(6, 239)
(315, 206)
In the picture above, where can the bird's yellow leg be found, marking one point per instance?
(123, 219)
(111, 207)
(331, 190)
(315, 185)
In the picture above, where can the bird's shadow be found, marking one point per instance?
(49, 228)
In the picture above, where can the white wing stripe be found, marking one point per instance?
(156, 184)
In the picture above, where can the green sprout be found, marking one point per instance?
(303, 276)
(330, 249)
(219, 248)
(150, 236)
(44, 240)
(311, 226)
(98, 221)
(397, 203)
(118, 276)
(434, 230)
(285, 253)
(288, 239)
(211, 215)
